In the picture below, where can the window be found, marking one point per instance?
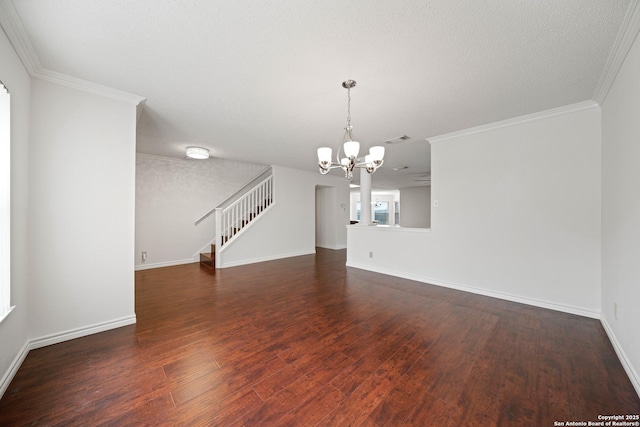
(5, 200)
(381, 213)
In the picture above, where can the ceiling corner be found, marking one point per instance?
(13, 28)
(86, 86)
(624, 40)
(140, 109)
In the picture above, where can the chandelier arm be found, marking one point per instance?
(334, 165)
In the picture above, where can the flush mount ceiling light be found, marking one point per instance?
(197, 153)
(371, 161)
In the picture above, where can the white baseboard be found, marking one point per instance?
(80, 332)
(263, 259)
(626, 364)
(164, 264)
(13, 368)
(333, 247)
(508, 297)
(35, 343)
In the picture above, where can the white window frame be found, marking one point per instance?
(5, 202)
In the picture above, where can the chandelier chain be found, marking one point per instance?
(348, 108)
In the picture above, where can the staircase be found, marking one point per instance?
(235, 216)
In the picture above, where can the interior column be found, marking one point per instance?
(365, 197)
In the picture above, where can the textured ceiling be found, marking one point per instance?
(259, 81)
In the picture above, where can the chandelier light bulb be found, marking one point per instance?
(324, 155)
(351, 148)
(368, 164)
(377, 152)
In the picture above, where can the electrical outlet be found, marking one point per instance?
(370, 254)
(144, 256)
(615, 310)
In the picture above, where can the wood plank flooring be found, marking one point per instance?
(306, 341)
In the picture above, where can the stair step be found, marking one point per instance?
(208, 259)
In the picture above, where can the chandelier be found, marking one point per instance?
(371, 161)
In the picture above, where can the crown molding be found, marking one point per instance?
(164, 158)
(624, 40)
(621, 46)
(86, 86)
(13, 28)
(567, 109)
(140, 108)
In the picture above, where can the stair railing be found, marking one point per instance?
(233, 197)
(230, 221)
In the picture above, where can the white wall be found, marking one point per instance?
(415, 207)
(519, 216)
(171, 194)
(81, 212)
(14, 328)
(288, 228)
(621, 213)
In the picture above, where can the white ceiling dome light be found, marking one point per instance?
(198, 153)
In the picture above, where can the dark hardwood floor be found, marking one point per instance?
(306, 341)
